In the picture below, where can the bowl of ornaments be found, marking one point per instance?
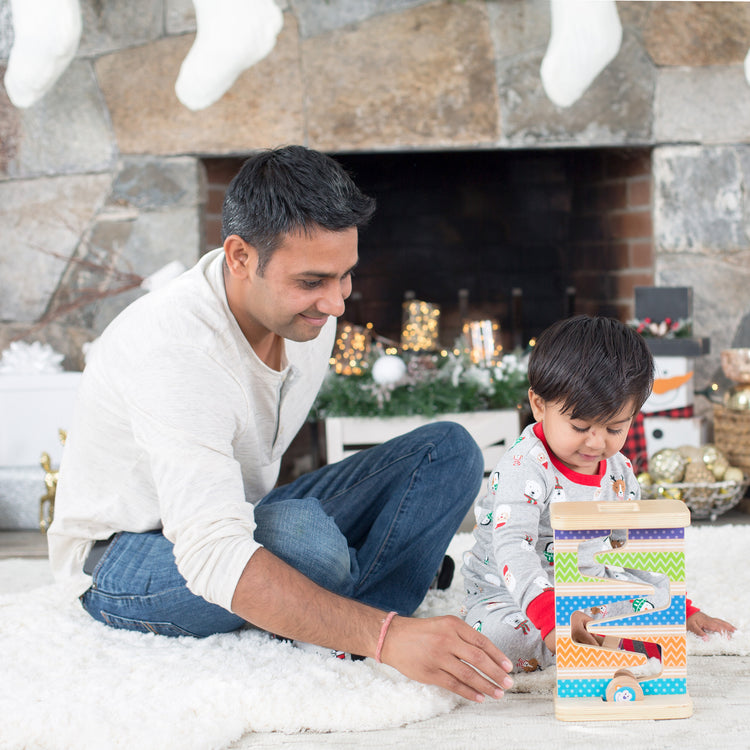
(700, 476)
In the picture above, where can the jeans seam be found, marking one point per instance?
(381, 550)
(431, 446)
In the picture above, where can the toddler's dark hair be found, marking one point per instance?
(592, 365)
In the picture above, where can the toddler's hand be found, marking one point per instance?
(703, 625)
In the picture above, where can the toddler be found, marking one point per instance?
(589, 377)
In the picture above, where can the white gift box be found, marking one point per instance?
(33, 408)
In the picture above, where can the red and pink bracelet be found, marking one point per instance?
(383, 631)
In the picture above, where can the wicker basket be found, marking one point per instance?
(705, 500)
(732, 435)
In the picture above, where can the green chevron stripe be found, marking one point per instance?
(566, 568)
(671, 563)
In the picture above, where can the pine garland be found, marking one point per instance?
(432, 385)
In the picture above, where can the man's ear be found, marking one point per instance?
(537, 405)
(241, 258)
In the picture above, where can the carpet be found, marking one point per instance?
(70, 682)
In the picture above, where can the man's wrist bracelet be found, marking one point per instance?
(383, 631)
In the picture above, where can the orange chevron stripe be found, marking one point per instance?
(572, 655)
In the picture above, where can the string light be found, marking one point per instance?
(420, 329)
(352, 349)
(481, 342)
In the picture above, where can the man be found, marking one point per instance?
(187, 403)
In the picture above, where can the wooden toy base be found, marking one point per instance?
(651, 707)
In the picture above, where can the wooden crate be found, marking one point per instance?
(494, 431)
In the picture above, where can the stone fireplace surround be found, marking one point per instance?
(109, 177)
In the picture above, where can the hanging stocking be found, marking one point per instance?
(585, 38)
(46, 35)
(231, 36)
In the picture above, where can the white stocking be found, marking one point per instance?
(231, 36)
(585, 38)
(46, 39)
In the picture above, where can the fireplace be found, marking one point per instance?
(524, 237)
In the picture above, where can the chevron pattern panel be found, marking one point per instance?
(584, 672)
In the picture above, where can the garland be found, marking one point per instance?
(664, 329)
(430, 384)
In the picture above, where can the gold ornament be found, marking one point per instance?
(644, 479)
(672, 492)
(691, 452)
(700, 476)
(715, 460)
(734, 474)
(667, 465)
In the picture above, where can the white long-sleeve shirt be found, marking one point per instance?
(180, 426)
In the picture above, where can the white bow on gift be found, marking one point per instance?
(21, 358)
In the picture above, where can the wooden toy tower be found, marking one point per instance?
(602, 682)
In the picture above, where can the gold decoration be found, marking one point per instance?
(47, 500)
(670, 492)
(736, 366)
(702, 477)
(481, 344)
(691, 452)
(667, 465)
(352, 349)
(420, 328)
(734, 474)
(715, 461)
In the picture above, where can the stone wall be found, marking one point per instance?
(101, 182)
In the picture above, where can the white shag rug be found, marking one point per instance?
(67, 681)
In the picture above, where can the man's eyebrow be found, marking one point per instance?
(328, 275)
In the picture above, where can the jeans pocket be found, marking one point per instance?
(142, 626)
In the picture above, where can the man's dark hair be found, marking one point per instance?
(592, 365)
(291, 189)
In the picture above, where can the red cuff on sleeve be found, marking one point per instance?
(541, 611)
(690, 609)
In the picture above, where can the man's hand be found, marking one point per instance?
(703, 625)
(442, 651)
(447, 652)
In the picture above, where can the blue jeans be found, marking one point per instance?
(373, 527)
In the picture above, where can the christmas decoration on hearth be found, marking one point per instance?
(397, 381)
(700, 476)
(664, 317)
(481, 341)
(352, 349)
(420, 329)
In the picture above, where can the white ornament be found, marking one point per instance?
(21, 358)
(388, 369)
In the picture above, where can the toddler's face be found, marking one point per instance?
(578, 443)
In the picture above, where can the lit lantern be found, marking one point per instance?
(420, 327)
(352, 349)
(482, 341)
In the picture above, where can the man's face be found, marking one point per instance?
(305, 281)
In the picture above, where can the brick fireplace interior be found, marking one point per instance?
(570, 228)
(531, 236)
